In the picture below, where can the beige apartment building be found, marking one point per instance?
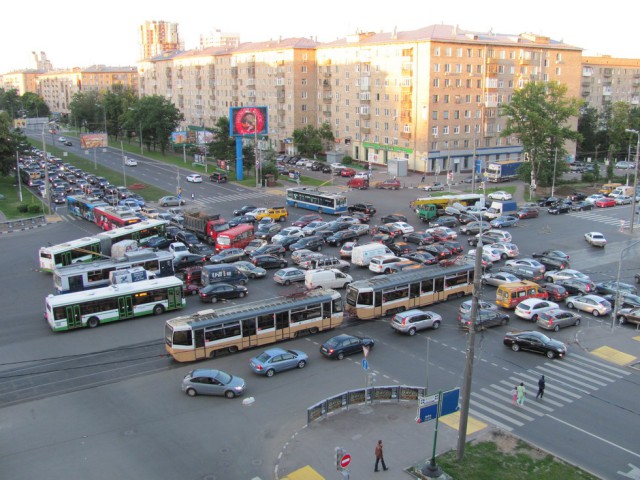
(606, 80)
(158, 37)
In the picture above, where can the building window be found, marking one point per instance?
(435, 99)
(447, 83)
(446, 99)
(456, 130)
(304, 69)
(304, 94)
(445, 115)
(434, 115)
(406, 128)
(436, 52)
(467, 129)
(436, 82)
(434, 131)
(447, 67)
(445, 130)
(456, 114)
(436, 67)
(447, 52)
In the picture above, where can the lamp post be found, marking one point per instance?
(635, 179)
(553, 180)
(468, 367)
(46, 171)
(140, 124)
(124, 171)
(614, 312)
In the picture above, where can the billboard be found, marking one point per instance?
(248, 121)
(93, 140)
(192, 136)
(178, 138)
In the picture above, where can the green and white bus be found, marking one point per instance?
(116, 302)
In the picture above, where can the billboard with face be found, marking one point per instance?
(248, 121)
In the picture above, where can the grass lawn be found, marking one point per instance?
(9, 206)
(500, 456)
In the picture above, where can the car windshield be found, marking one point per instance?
(263, 357)
(224, 377)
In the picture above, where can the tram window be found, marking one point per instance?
(439, 284)
(265, 322)
(427, 286)
(282, 320)
(365, 298)
(414, 290)
(182, 337)
(231, 329)
(337, 305)
(249, 327)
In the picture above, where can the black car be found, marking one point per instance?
(382, 238)
(577, 196)
(393, 217)
(326, 169)
(487, 239)
(533, 341)
(611, 287)
(269, 261)
(331, 229)
(222, 291)
(317, 166)
(188, 238)
(240, 219)
(421, 238)
(68, 143)
(485, 319)
(625, 300)
(453, 246)
(400, 248)
(444, 221)
(244, 210)
(189, 260)
(361, 216)
(367, 208)
(268, 231)
(581, 206)
(313, 242)
(388, 230)
(553, 263)
(273, 249)
(553, 254)
(473, 228)
(548, 201)
(171, 232)
(558, 208)
(202, 249)
(421, 257)
(58, 198)
(229, 255)
(439, 251)
(342, 345)
(287, 241)
(341, 237)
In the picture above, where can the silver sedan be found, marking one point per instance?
(498, 278)
(593, 304)
(556, 319)
(555, 275)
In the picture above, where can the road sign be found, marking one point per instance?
(365, 364)
(450, 402)
(345, 460)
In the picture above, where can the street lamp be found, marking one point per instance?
(635, 178)
(614, 312)
(553, 180)
(46, 170)
(140, 121)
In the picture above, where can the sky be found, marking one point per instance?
(80, 34)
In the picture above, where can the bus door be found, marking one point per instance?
(198, 341)
(64, 258)
(125, 307)
(377, 304)
(249, 338)
(174, 297)
(166, 269)
(74, 319)
(76, 283)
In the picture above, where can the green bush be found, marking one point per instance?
(588, 177)
(35, 208)
(23, 208)
(347, 160)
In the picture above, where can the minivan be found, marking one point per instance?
(223, 273)
(326, 278)
(607, 188)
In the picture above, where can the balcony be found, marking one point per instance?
(406, 117)
(405, 135)
(585, 93)
(365, 116)
(234, 71)
(365, 130)
(326, 100)
(326, 113)
(281, 99)
(407, 71)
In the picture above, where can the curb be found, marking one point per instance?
(24, 229)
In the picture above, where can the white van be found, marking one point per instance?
(384, 263)
(331, 278)
(622, 191)
(361, 255)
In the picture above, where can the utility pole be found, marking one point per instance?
(635, 180)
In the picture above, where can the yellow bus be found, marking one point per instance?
(226, 330)
(464, 199)
(397, 292)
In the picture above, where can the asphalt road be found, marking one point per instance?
(106, 402)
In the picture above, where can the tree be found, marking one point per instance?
(11, 141)
(34, 105)
(85, 113)
(310, 141)
(223, 146)
(155, 118)
(538, 116)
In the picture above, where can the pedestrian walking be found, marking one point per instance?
(379, 457)
(193, 196)
(514, 395)
(541, 386)
(424, 177)
(521, 393)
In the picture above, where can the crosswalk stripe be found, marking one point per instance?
(510, 387)
(558, 381)
(482, 416)
(579, 370)
(609, 369)
(497, 414)
(502, 403)
(566, 377)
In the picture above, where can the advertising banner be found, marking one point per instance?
(93, 140)
(248, 121)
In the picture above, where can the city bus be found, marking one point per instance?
(115, 302)
(397, 292)
(235, 237)
(443, 201)
(313, 199)
(85, 276)
(227, 330)
(88, 249)
(109, 218)
(82, 206)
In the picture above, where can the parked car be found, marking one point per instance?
(537, 342)
(593, 304)
(436, 187)
(276, 360)
(628, 315)
(288, 275)
(605, 202)
(611, 287)
(250, 270)
(269, 261)
(498, 278)
(530, 308)
(214, 292)
(505, 221)
(342, 345)
(500, 195)
(410, 321)
(595, 239)
(557, 319)
(227, 256)
(207, 381)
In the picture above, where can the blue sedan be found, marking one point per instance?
(505, 221)
(277, 360)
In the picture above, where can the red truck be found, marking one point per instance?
(205, 226)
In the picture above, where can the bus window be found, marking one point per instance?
(337, 305)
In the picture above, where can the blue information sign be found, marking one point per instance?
(365, 364)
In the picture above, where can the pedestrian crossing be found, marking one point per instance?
(231, 198)
(567, 381)
(600, 218)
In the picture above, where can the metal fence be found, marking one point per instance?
(23, 223)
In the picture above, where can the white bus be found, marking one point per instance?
(116, 302)
(84, 276)
(209, 332)
(318, 200)
(88, 249)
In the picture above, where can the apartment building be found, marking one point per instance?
(158, 37)
(23, 81)
(606, 80)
